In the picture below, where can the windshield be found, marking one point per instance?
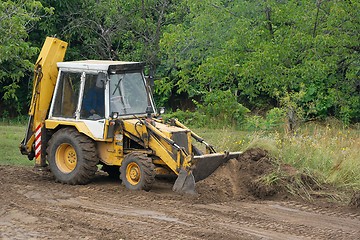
(128, 94)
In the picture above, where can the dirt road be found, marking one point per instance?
(33, 206)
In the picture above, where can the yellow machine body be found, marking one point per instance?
(45, 75)
(73, 133)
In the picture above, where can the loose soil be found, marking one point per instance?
(355, 200)
(239, 179)
(235, 202)
(255, 175)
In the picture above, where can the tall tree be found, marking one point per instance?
(109, 29)
(266, 51)
(17, 18)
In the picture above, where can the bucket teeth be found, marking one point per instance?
(185, 183)
(204, 166)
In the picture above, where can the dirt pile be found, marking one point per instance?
(239, 178)
(254, 175)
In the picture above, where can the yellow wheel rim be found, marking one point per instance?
(66, 158)
(133, 173)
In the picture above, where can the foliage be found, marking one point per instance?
(268, 51)
(301, 56)
(221, 108)
(218, 109)
(275, 119)
(110, 30)
(186, 117)
(17, 18)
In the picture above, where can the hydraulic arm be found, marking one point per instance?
(45, 75)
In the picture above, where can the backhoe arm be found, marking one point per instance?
(45, 76)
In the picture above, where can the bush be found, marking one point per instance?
(221, 108)
(218, 109)
(188, 118)
(274, 119)
(214, 115)
(19, 120)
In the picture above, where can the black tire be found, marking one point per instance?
(72, 157)
(113, 171)
(137, 172)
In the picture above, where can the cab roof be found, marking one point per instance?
(101, 65)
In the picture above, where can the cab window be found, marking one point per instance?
(67, 95)
(93, 104)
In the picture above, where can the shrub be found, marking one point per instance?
(221, 108)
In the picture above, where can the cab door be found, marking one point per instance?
(92, 109)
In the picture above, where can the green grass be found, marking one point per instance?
(328, 152)
(11, 136)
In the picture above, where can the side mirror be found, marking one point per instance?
(161, 110)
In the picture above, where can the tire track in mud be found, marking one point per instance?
(64, 211)
(36, 207)
(279, 217)
(181, 207)
(51, 221)
(319, 210)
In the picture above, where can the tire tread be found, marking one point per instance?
(88, 168)
(146, 164)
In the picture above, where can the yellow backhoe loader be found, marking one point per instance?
(86, 113)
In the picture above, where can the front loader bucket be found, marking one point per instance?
(185, 182)
(206, 164)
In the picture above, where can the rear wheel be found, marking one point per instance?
(72, 157)
(137, 172)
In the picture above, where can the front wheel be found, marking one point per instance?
(137, 172)
(72, 157)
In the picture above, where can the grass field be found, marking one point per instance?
(12, 135)
(326, 151)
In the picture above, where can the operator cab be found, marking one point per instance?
(94, 90)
